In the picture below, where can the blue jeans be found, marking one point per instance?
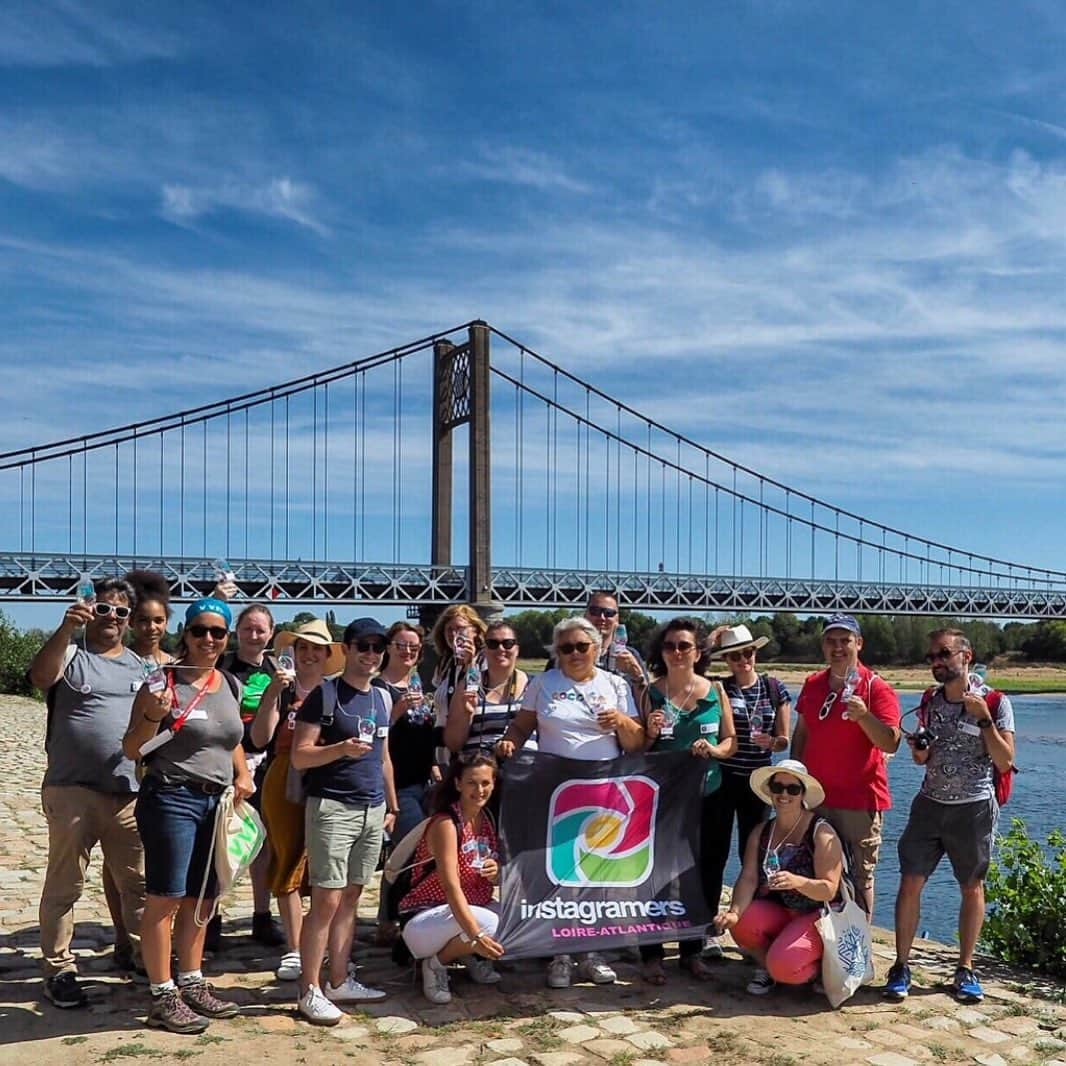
(176, 823)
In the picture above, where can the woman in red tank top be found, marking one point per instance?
(449, 912)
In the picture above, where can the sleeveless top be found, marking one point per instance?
(701, 723)
(490, 720)
(473, 850)
(797, 858)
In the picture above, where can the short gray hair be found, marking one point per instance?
(577, 621)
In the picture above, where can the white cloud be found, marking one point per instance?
(512, 165)
(277, 198)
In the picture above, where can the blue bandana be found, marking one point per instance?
(209, 605)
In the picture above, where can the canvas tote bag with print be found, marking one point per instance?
(847, 958)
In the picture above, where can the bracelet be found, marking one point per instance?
(392, 810)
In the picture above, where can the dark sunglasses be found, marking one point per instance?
(199, 632)
(376, 646)
(736, 656)
(580, 647)
(942, 655)
(793, 790)
(602, 612)
(507, 643)
(678, 645)
(102, 610)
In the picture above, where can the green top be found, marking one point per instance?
(701, 723)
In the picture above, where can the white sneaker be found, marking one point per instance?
(761, 983)
(290, 968)
(480, 970)
(353, 991)
(593, 968)
(559, 972)
(316, 1008)
(435, 981)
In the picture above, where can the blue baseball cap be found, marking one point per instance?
(210, 605)
(363, 627)
(842, 621)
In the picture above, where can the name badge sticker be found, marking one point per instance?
(383, 731)
(969, 728)
(197, 715)
(709, 728)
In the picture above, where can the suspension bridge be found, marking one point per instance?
(465, 466)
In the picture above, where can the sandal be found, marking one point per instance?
(653, 972)
(697, 968)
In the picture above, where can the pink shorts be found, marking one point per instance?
(788, 938)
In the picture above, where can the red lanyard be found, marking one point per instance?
(181, 719)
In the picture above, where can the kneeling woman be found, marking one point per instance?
(183, 779)
(792, 866)
(449, 911)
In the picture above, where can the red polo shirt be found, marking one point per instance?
(851, 770)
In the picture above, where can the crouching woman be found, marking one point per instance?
(792, 866)
(448, 913)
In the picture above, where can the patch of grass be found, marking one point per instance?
(1014, 1010)
(210, 1038)
(864, 1027)
(71, 1040)
(130, 1051)
(723, 1040)
(921, 1013)
(541, 1031)
(622, 1058)
(184, 1053)
(777, 1059)
(939, 1051)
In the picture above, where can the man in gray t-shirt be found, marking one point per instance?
(966, 734)
(89, 786)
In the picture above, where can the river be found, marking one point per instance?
(1041, 759)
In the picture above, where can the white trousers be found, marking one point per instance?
(429, 930)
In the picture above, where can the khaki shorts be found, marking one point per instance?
(861, 831)
(343, 843)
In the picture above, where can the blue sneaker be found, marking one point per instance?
(898, 984)
(966, 987)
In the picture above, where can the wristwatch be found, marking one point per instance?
(985, 723)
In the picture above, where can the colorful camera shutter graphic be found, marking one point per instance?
(601, 834)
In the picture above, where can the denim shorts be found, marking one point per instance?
(176, 823)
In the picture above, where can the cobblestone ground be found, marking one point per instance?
(517, 1022)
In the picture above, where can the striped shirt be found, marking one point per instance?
(754, 702)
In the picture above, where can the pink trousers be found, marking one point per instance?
(792, 945)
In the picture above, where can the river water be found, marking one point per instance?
(1041, 758)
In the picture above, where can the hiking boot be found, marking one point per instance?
(200, 995)
(317, 1009)
(965, 986)
(898, 983)
(435, 980)
(64, 990)
(169, 1011)
(266, 931)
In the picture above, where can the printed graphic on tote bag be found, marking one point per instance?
(602, 833)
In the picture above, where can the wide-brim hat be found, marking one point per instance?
(734, 638)
(760, 782)
(314, 632)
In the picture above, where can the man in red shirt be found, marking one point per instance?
(848, 718)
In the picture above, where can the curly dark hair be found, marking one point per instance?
(656, 663)
(150, 586)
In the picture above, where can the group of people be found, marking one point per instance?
(340, 744)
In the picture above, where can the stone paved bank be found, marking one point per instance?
(517, 1022)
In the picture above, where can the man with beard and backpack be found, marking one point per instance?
(966, 738)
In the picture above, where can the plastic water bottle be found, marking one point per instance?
(154, 676)
(771, 864)
(851, 683)
(669, 721)
(286, 662)
(473, 678)
(223, 570)
(620, 640)
(975, 681)
(86, 590)
(417, 713)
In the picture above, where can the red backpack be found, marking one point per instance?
(1002, 781)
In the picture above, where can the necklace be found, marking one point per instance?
(680, 706)
(784, 840)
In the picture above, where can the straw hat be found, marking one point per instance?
(734, 638)
(314, 632)
(760, 782)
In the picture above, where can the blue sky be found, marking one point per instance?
(827, 239)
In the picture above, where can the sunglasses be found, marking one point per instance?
(736, 656)
(942, 655)
(404, 648)
(823, 714)
(102, 610)
(507, 643)
(602, 612)
(777, 789)
(199, 632)
(580, 647)
(678, 645)
(376, 646)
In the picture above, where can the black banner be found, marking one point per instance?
(600, 855)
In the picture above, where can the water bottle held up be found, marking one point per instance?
(286, 662)
(86, 593)
(223, 571)
(620, 640)
(851, 683)
(976, 679)
(154, 676)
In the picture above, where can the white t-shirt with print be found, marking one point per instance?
(566, 713)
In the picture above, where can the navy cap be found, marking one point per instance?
(363, 627)
(842, 621)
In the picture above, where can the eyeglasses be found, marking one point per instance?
(376, 646)
(776, 787)
(102, 610)
(507, 643)
(736, 656)
(943, 655)
(404, 648)
(580, 646)
(602, 612)
(199, 632)
(678, 645)
(830, 699)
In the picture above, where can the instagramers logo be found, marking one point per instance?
(601, 834)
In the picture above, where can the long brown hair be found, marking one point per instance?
(447, 792)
